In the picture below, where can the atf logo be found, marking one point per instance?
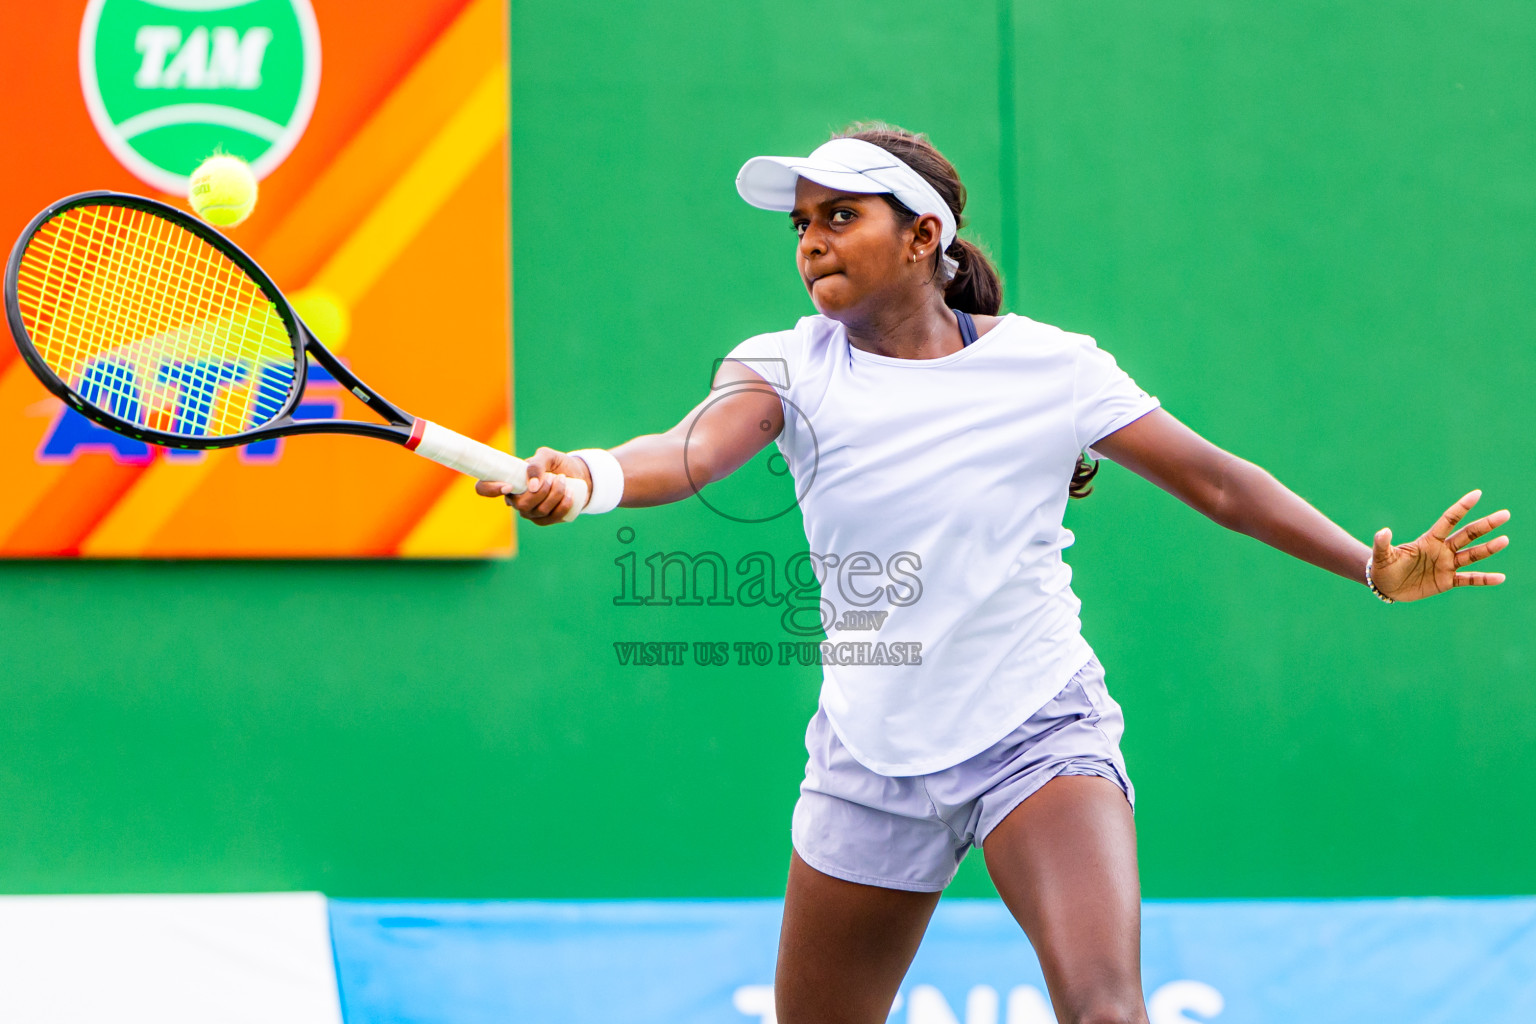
(168, 82)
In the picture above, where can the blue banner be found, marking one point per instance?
(1407, 961)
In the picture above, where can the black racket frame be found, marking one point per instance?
(397, 427)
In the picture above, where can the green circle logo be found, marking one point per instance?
(169, 81)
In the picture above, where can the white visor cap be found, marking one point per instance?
(851, 165)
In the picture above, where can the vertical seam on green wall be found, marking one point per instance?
(1007, 145)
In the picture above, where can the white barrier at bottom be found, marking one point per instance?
(234, 959)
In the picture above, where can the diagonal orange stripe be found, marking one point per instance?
(78, 499)
(474, 130)
(392, 139)
(28, 411)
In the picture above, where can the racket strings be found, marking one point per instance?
(152, 324)
(101, 287)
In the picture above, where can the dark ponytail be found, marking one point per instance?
(976, 287)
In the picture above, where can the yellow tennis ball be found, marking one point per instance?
(223, 190)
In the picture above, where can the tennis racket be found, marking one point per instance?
(153, 324)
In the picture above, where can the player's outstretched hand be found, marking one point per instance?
(1429, 565)
(546, 501)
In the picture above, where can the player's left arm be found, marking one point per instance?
(1244, 497)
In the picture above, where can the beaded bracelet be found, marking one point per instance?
(1372, 585)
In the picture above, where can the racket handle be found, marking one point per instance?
(483, 462)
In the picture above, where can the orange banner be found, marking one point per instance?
(382, 145)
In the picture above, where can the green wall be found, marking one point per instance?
(1305, 227)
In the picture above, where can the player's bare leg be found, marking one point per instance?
(844, 947)
(1064, 862)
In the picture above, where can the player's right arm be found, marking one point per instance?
(738, 417)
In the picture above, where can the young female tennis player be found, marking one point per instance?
(919, 423)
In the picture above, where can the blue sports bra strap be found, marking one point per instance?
(967, 326)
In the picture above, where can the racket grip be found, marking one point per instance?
(481, 461)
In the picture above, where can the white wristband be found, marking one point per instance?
(607, 480)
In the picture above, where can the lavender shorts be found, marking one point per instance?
(912, 832)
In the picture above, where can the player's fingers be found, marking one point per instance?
(560, 511)
(553, 492)
(527, 502)
(544, 462)
(1478, 579)
(1466, 556)
(1442, 528)
(538, 470)
(490, 488)
(1472, 531)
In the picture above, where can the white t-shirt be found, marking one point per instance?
(933, 491)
